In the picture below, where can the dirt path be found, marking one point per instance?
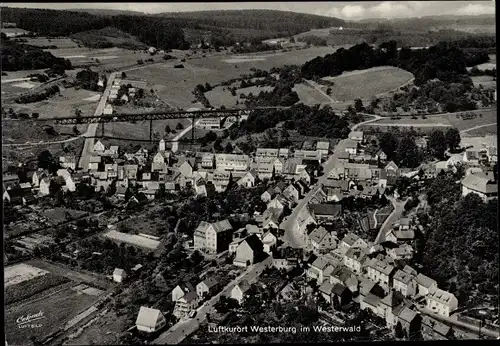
(318, 89)
(476, 127)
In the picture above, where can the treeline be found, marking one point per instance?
(36, 97)
(253, 47)
(308, 121)
(17, 57)
(277, 21)
(444, 61)
(281, 95)
(88, 79)
(312, 40)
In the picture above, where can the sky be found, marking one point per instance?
(344, 10)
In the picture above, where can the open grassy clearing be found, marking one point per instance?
(114, 326)
(483, 131)
(365, 84)
(485, 81)
(58, 215)
(479, 142)
(220, 96)
(57, 309)
(488, 116)
(109, 34)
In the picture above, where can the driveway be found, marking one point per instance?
(182, 329)
(290, 222)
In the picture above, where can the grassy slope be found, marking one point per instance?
(116, 37)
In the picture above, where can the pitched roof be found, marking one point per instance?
(358, 254)
(338, 289)
(190, 296)
(409, 270)
(442, 296)
(380, 266)
(222, 226)
(407, 315)
(254, 242)
(148, 317)
(405, 235)
(357, 134)
(243, 285)
(425, 281)
(480, 184)
(350, 238)
(323, 145)
(118, 271)
(210, 282)
(351, 143)
(326, 287)
(326, 209)
(371, 299)
(320, 263)
(392, 299)
(403, 277)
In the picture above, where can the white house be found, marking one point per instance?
(119, 275)
(108, 110)
(481, 186)
(99, 147)
(248, 180)
(150, 320)
(441, 302)
(351, 146)
(425, 284)
(269, 241)
(356, 136)
(239, 291)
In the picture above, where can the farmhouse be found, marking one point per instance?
(351, 146)
(356, 136)
(352, 240)
(325, 212)
(180, 290)
(249, 251)
(150, 320)
(206, 287)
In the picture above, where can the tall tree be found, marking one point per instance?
(453, 138)
(437, 143)
(388, 143)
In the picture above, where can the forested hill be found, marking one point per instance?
(269, 20)
(165, 30)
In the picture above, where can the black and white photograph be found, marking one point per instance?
(249, 172)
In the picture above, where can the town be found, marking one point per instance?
(279, 222)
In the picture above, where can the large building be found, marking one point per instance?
(232, 162)
(482, 186)
(213, 237)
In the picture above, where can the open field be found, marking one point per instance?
(479, 141)
(365, 84)
(485, 81)
(28, 288)
(61, 43)
(57, 309)
(58, 215)
(175, 85)
(114, 326)
(18, 273)
(133, 239)
(483, 131)
(310, 96)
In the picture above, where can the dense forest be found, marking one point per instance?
(460, 245)
(17, 56)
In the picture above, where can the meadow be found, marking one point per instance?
(485, 81)
(365, 84)
(60, 43)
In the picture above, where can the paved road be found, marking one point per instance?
(182, 329)
(393, 217)
(88, 147)
(290, 222)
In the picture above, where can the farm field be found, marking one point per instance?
(365, 84)
(175, 85)
(57, 309)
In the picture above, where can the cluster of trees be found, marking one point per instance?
(459, 248)
(40, 96)
(88, 79)
(308, 121)
(444, 61)
(253, 47)
(199, 93)
(312, 40)
(477, 72)
(281, 95)
(17, 56)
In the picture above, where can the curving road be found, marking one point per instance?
(393, 217)
(290, 223)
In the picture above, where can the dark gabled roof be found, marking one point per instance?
(254, 242)
(326, 209)
(338, 289)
